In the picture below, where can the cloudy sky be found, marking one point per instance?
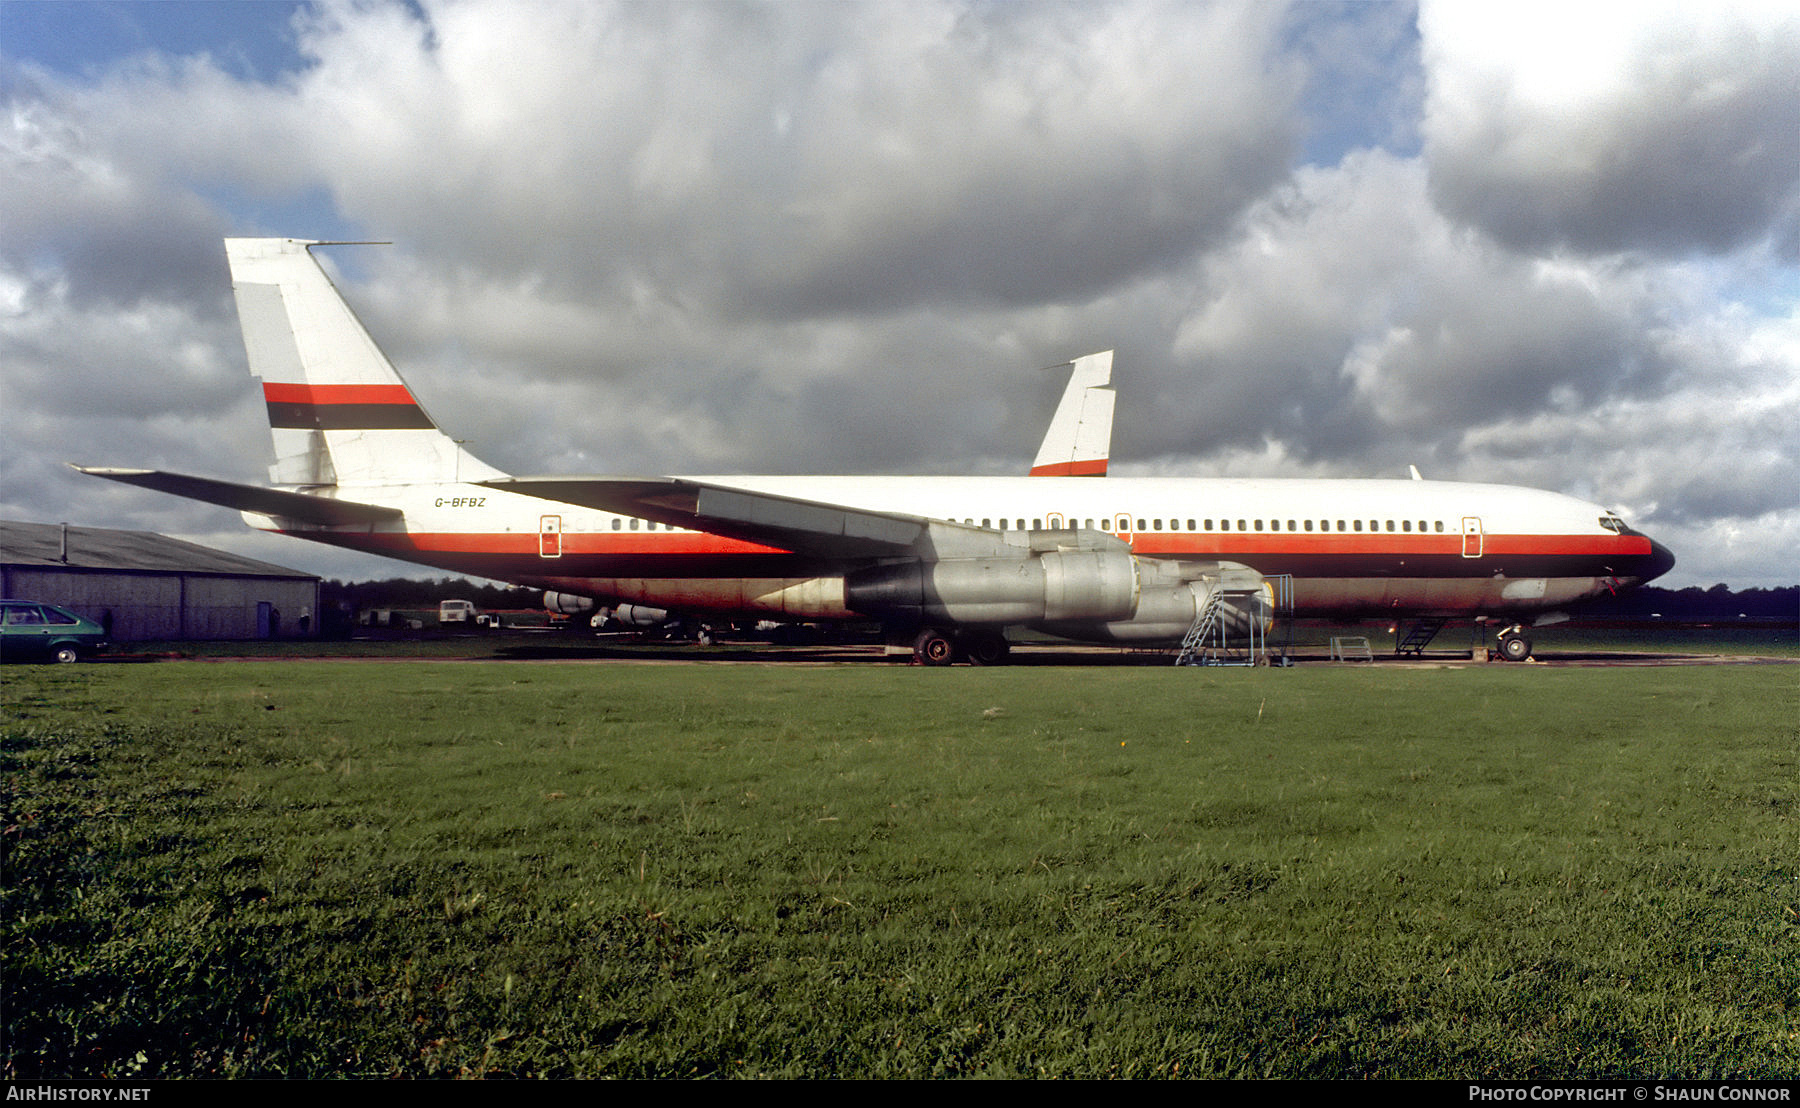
(1546, 244)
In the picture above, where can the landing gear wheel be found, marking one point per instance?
(1514, 647)
(934, 648)
(986, 648)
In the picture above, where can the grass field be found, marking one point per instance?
(294, 868)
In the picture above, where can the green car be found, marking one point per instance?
(31, 631)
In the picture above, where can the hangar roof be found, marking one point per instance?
(98, 548)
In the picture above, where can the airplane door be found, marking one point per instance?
(550, 537)
(1471, 535)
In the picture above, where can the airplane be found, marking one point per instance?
(948, 563)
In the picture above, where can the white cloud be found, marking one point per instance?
(1667, 127)
(841, 237)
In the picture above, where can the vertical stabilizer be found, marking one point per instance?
(1080, 437)
(338, 410)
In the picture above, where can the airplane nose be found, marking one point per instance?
(1662, 560)
(1648, 567)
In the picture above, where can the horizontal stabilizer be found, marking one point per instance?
(305, 507)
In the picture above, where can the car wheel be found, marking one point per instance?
(65, 655)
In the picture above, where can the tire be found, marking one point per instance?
(65, 654)
(934, 648)
(1515, 648)
(986, 648)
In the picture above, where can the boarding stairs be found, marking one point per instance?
(1419, 634)
(1212, 640)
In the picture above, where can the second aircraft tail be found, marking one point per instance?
(1079, 441)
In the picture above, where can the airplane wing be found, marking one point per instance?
(803, 526)
(305, 507)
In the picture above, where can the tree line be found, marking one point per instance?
(1692, 604)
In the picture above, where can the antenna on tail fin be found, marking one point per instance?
(339, 412)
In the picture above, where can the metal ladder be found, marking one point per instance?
(1205, 642)
(1419, 634)
(1195, 649)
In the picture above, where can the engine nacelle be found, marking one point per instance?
(1170, 599)
(1098, 585)
(637, 615)
(567, 604)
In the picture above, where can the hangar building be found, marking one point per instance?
(141, 585)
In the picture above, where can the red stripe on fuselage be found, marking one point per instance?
(1257, 550)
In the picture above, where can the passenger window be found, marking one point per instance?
(1406, 525)
(1309, 525)
(1358, 524)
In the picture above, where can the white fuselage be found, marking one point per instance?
(1352, 547)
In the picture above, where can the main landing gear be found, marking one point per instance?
(1514, 645)
(936, 647)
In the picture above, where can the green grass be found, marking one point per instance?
(434, 868)
(1561, 639)
(1308, 637)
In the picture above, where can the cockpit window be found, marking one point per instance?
(1616, 525)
